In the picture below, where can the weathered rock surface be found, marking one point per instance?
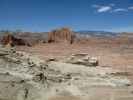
(82, 59)
(26, 77)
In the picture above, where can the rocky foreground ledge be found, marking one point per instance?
(26, 77)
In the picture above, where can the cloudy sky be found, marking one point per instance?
(44, 15)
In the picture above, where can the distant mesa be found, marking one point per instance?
(61, 35)
(97, 33)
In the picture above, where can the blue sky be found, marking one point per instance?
(45, 15)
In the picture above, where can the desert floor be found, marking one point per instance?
(117, 56)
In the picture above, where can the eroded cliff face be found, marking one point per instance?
(24, 76)
(61, 35)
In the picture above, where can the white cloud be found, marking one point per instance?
(130, 8)
(104, 9)
(120, 10)
(101, 8)
(110, 8)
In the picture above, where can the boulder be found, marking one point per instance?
(93, 61)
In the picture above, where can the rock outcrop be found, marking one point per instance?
(61, 35)
(11, 40)
(82, 59)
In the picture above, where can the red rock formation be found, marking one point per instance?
(7, 39)
(61, 35)
(12, 41)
